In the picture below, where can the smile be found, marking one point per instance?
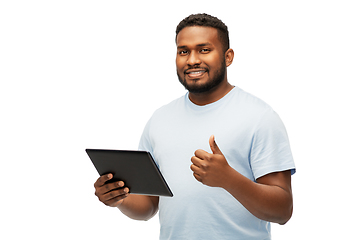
(195, 73)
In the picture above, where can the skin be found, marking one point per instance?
(200, 48)
(269, 198)
(138, 207)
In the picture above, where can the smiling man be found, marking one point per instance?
(231, 188)
(195, 44)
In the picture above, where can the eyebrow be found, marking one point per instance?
(198, 45)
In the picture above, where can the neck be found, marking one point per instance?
(214, 95)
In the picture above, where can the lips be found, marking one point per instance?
(195, 73)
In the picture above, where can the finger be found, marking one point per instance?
(196, 161)
(116, 201)
(109, 187)
(102, 180)
(201, 154)
(196, 172)
(197, 177)
(194, 168)
(214, 147)
(118, 194)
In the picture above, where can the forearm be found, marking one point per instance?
(267, 202)
(139, 207)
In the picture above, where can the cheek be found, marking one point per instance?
(179, 66)
(212, 60)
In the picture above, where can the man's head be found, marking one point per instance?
(203, 53)
(206, 20)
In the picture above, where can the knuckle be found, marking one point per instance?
(97, 192)
(113, 194)
(97, 183)
(101, 199)
(204, 166)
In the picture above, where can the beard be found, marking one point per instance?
(211, 84)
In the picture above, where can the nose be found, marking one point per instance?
(193, 59)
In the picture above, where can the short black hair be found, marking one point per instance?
(206, 20)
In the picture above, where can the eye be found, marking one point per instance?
(205, 50)
(183, 52)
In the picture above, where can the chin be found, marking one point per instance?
(201, 88)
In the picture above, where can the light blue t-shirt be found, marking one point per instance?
(252, 138)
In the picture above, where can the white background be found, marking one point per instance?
(89, 74)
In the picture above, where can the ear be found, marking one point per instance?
(229, 57)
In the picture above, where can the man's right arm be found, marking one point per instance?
(138, 207)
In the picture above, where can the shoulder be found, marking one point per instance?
(170, 107)
(250, 100)
(167, 112)
(249, 106)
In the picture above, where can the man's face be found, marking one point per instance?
(200, 59)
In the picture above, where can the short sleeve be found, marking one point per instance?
(145, 141)
(270, 149)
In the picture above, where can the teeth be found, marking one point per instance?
(196, 72)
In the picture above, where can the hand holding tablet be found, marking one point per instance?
(136, 170)
(111, 194)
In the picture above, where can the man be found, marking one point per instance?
(228, 187)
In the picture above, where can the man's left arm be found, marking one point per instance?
(269, 198)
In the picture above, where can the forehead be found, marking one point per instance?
(197, 35)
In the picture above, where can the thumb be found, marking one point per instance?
(214, 147)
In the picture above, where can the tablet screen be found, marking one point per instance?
(137, 169)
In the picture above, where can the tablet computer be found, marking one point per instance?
(137, 169)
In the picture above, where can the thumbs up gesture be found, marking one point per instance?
(210, 168)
